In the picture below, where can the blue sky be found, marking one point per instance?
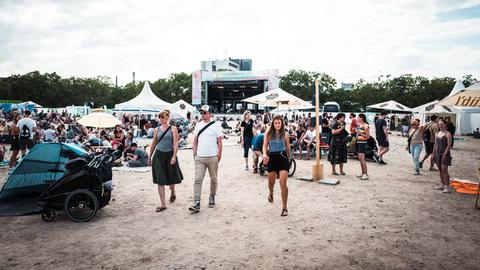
(346, 39)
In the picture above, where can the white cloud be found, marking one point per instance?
(347, 39)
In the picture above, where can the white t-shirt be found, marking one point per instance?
(207, 142)
(30, 125)
(310, 134)
(50, 135)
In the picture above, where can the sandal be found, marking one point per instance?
(334, 173)
(284, 212)
(270, 198)
(173, 197)
(160, 209)
(342, 173)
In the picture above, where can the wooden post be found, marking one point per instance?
(317, 169)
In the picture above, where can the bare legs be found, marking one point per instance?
(161, 192)
(283, 185)
(363, 163)
(13, 158)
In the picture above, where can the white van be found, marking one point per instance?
(331, 107)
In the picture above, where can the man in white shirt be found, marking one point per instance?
(308, 138)
(207, 152)
(50, 134)
(27, 127)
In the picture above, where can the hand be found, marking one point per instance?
(149, 162)
(265, 160)
(444, 156)
(173, 160)
(219, 157)
(194, 153)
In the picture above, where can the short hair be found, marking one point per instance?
(433, 117)
(340, 115)
(133, 145)
(164, 113)
(353, 114)
(384, 113)
(27, 112)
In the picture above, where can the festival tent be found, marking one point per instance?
(145, 101)
(182, 107)
(27, 103)
(44, 162)
(280, 99)
(391, 106)
(422, 112)
(466, 102)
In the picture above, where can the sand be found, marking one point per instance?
(393, 221)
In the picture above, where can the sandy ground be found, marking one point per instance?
(393, 221)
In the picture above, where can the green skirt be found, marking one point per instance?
(163, 172)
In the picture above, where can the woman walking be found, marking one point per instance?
(14, 132)
(165, 167)
(247, 135)
(415, 143)
(338, 145)
(441, 155)
(277, 145)
(363, 135)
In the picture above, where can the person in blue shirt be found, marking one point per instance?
(257, 145)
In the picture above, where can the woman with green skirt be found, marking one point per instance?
(163, 159)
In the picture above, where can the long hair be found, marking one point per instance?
(272, 133)
(364, 118)
(245, 114)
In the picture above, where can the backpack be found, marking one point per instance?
(25, 133)
(427, 134)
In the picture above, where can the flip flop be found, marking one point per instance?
(173, 197)
(160, 209)
(284, 212)
(335, 173)
(270, 198)
(342, 173)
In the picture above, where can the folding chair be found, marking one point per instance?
(478, 190)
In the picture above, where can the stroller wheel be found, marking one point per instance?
(81, 205)
(292, 167)
(48, 215)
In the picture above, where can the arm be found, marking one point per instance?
(195, 145)
(264, 149)
(449, 145)
(152, 147)
(175, 145)
(220, 148)
(385, 130)
(287, 146)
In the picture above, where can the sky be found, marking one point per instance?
(346, 39)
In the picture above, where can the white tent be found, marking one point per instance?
(280, 99)
(35, 105)
(457, 88)
(423, 111)
(182, 107)
(145, 101)
(391, 106)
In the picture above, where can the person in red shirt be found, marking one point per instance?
(353, 124)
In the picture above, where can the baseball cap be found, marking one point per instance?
(205, 108)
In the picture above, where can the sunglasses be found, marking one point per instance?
(204, 112)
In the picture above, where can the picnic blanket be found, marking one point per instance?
(464, 186)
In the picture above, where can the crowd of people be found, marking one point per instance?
(273, 140)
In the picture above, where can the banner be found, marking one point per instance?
(197, 88)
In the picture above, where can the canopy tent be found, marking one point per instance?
(145, 101)
(99, 120)
(391, 106)
(468, 98)
(182, 107)
(44, 162)
(35, 105)
(423, 111)
(466, 102)
(457, 88)
(280, 99)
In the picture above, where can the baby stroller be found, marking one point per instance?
(84, 189)
(371, 149)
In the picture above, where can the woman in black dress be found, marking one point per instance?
(338, 144)
(441, 155)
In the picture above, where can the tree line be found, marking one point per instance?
(51, 90)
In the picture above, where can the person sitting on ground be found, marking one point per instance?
(139, 157)
(50, 135)
(106, 141)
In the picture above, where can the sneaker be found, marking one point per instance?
(195, 207)
(211, 202)
(441, 187)
(255, 170)
(382, 162)
(416, 173)
(432, 169)
(420, 164)
(359, 175)
(364, 177)
(446, 189)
